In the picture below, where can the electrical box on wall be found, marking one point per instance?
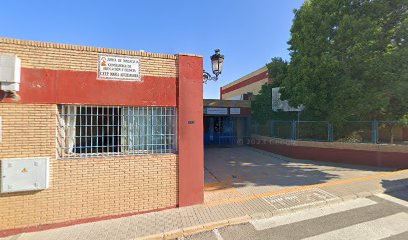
(24, 174)
(10, 72)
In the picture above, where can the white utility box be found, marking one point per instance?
(10, 72)
(24, 174)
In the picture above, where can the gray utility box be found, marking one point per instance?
(10, 72)
(24, 174)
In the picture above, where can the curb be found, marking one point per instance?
(188, 231)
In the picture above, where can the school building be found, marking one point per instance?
(245, 87)
(91, 133)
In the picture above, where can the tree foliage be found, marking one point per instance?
(277, 70)
(349, 59)
(262, 105)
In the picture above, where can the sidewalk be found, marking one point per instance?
(174, 223)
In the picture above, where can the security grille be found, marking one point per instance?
(101, 131)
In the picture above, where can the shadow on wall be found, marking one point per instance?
(396, 188)
(244, 166)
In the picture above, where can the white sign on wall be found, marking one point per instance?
(216, 111)
(235, 111)
(113, 67)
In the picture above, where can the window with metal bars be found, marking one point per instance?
(100, 131)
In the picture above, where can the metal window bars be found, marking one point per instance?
(87, 131)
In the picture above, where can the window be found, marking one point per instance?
(99, 131)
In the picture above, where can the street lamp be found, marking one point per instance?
(217, 62)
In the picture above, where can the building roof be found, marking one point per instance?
(246, 77)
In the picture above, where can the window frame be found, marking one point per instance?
(139, 130)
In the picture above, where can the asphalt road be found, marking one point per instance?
(384, 216)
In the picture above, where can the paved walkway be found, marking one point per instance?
(241, 171)
(226, 211)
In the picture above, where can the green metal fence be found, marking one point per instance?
(377, 132)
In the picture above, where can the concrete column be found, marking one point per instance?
(190, 130)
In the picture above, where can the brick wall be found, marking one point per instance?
(87, 188)
(83, 188)
(58, 56)
(62, 73)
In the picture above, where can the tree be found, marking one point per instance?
(277, 71)
(349, 60)
(262, 105)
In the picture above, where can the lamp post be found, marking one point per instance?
(217, 63)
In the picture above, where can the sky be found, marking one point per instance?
(248, 32)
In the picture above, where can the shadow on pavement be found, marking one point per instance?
(389, 186)
(243, 166)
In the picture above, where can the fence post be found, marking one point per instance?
(294, 137)
(248, 129)
(272, 127)
(330, 134)
(374, 132)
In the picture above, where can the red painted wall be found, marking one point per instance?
(62, 86)
(360, 157)
(190, 130)
(185, 92)
(244, 83)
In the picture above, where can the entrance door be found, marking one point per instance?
(219, 130)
